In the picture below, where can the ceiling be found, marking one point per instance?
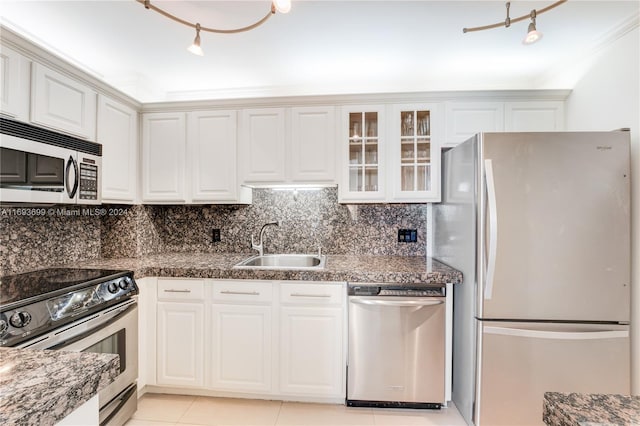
(321, 46)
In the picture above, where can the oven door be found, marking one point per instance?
(112, 331)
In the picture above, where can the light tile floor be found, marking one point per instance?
(180, 410)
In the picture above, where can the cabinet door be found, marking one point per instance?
(311, 351)
(212, 147)
(180, 344)
(118, 134)
(312, 144)
(534, 116)
(14, 84)
(362, 154)
(415, 153)
(61, 103)
(262, 145)
(241, 347)
(465, 119)
(163, 157)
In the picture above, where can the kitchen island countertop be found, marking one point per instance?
(42, 387)
(350, 268)
(576, 409)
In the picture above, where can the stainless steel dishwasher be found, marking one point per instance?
(396, 346)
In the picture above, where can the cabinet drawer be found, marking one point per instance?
(242, 291)
(311, 294)
(180, 289)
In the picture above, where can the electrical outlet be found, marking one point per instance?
(407, 235)
(215, 235)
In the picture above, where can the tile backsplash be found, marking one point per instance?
(309, 220)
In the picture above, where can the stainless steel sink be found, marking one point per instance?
(284, 262)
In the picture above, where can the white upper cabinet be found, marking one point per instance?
(61, 103)
(118, 134)
(263, 145)
(465, 119)
(312, 142)
(362, 153)
(212, 146)
(14, 84)
(534, 116)
(194, 151)
(390, 153)
(415, 153)
(288, 145)
(164, 157)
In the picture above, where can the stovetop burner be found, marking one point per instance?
(35, 302)
(37, 285)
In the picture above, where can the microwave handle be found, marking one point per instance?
(71, 191)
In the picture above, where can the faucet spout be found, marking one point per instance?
(260, 245)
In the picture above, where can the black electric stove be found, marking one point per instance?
(36, 302)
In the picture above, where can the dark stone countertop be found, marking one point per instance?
(42, 387)
(576, 409)
(361, 269)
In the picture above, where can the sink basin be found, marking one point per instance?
(284, 261)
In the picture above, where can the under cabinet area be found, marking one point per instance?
(254, 338)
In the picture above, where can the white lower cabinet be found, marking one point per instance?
(241, 336)
(311, 352)
(180, 350)
(275, 339)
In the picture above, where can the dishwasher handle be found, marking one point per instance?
(379, 301)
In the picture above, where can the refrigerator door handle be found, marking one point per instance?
(557, 335)
(493, 228)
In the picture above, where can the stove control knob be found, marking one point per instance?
(112, 288)
(4, 326)
(124, 283)
(20, 319)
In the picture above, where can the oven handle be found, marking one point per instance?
(58, 339)
(71, 192)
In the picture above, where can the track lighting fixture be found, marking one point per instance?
(195, 47)
(533, 34)
(282, 6)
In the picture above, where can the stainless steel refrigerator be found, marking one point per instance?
(539, 224)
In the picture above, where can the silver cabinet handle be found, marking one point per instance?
(245, 293)
(176, 291)
(309, 295)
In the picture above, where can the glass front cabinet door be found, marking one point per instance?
(415, 153)
(363, 134)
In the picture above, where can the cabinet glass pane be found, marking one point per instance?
(355, 153)
(371, 124)
(424, 178)
(406, 119)
(363, 151)
(371, 154)
(423, 123)
(415, 150)
(355, 179)
(408, 177)
(371, 178)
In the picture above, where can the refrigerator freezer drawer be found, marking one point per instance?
(520, 361)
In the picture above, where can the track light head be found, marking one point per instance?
(533, 34)
(195, 47)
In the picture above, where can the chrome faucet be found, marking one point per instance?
(260, 245)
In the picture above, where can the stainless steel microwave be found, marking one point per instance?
(41, 166)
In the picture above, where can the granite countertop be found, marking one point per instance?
(42, 387)
(363, 269)
(576, 409)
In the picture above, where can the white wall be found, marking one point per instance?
(606, 98)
